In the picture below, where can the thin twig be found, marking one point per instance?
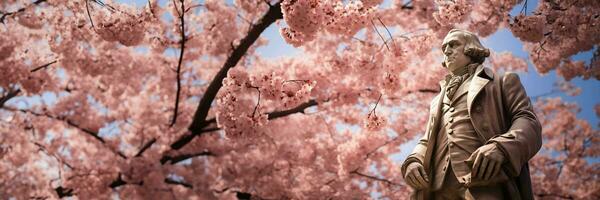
(176, 159)
(43, 66)
(145, 147)
(388, 31)
(374, 178)
(179, 63)
(524, 8)
(7, 14)
(385, 43)
(376, 103)
(257, 102)
(150, 8)
(193, 6)
(176, 10)
(72, 124)
(87, 8)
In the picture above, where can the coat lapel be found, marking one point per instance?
(477, 84)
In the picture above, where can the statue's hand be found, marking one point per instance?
(415, 176)
(487, 161)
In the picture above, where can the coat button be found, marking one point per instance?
(451, 144)
(452, 109)
(450, 132)
(451, 119)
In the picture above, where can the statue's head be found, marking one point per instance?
(461, 48)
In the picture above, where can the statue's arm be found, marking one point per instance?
(524, 138)
(418, 153)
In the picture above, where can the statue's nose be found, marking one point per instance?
(447, 51)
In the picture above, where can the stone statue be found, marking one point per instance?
(481, 131)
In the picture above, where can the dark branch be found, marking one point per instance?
(408, 5)
(243, 195)
(145, 147)
(11, 94)
(182, 44)
(63, 192)
(150, 8)
(387, 30)
(120, 182)
(193, 6)
(174, 182)
(373, 177)
(87, 9)
(425, 91)
(58, 158)
(377, 31)
(70, 123)
(198, 123)
(257, 102)
(43, 66)
(176, 159)
(298, 109)
(7, 14)
(382, 145)
(185, 139)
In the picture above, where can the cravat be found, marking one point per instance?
(453, 85)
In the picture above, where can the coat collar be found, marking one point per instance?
(480, 71)
(481, 77)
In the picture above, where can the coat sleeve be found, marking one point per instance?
(418, 153)
(524, 138)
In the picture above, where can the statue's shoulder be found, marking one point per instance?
(488, 73)
(434, 101)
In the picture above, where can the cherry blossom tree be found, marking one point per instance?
(172, 100)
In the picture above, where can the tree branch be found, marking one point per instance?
(43, 66)
(408, 5)
(424, 91)
(7, 14)
(175, 182)
(176, 159)
(11, 94)
(70, 123)
(298, 109)
(187, 138)
(145, 147)
(63, 192)
(120, 182)
(377, 31)
(373, 177)
(198, 123)
(182, 44)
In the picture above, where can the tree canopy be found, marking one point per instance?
(171, 100)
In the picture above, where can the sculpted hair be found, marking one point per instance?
(473, 48)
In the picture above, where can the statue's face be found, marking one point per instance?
(454, 51)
